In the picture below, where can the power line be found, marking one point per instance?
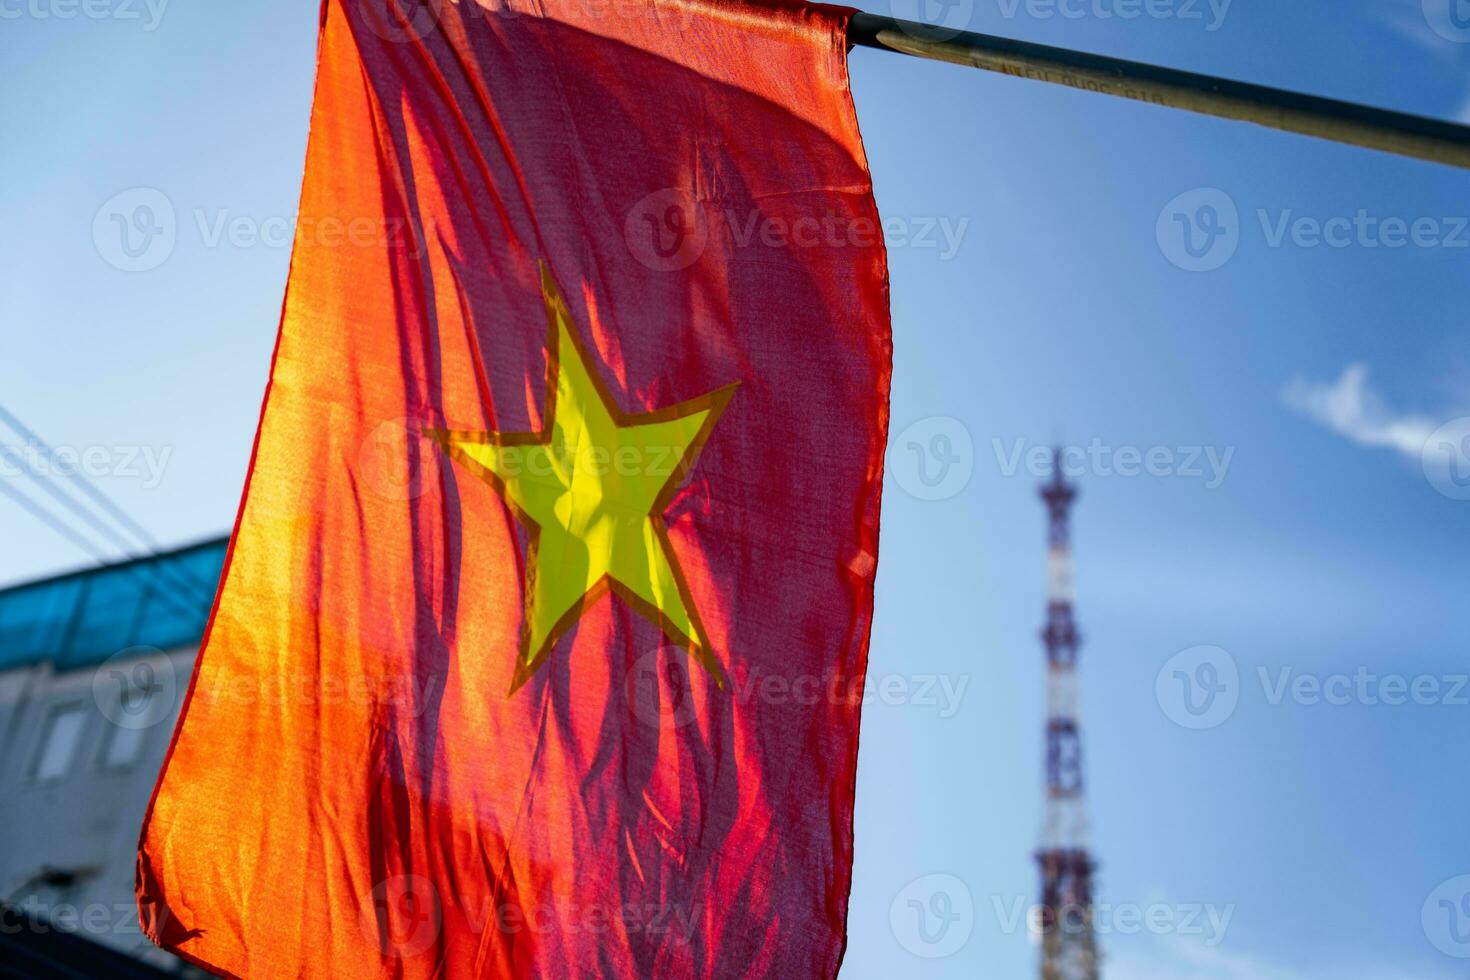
(76, 507)
(81, 481)
(164, 574)
(169, 582)
(98, 497)
(45, 517)
(166, 589)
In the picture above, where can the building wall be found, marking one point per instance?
(80, 751)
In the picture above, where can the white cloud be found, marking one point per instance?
(1406, 19)
(1216, 954)
(1351, 408)
(1178, 958)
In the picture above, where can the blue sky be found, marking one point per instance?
(1289, 519)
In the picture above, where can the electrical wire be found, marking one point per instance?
(162, 575)
(121, 517)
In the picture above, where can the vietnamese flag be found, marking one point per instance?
(540, 644)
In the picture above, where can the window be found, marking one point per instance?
(59, 740)
(125, 741)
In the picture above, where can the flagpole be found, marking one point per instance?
(1343, 122)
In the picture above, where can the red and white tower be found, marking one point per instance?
(1069, 948)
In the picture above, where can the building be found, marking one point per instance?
(93, 669)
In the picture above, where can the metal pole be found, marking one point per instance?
(1342, 122)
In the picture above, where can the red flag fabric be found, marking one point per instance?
(540, 644)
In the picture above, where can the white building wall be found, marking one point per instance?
(79, 754)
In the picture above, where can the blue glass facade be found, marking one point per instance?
(82, 618)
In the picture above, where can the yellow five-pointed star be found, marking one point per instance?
(590, 489)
